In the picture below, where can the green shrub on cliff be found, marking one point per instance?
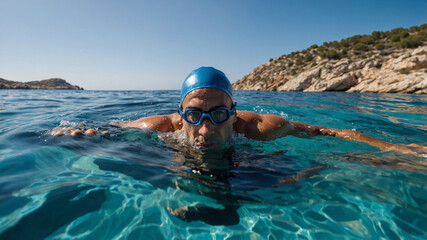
(395, 38)
(414, 29)
(368, 40)
(345, 43)
(332, 54)
(397, 31)
(335, 44)
(404, 34)
(378, 35)
(299, 61)
(379, 46)
(355, 39)
(359, 47)
(308, 57)
(411, 41)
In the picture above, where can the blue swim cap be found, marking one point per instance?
(206, 77)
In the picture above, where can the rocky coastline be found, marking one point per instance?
(53, 83)
(377, 70)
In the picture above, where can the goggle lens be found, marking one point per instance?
(219, 115)
(193, 116)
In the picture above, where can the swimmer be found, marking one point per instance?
(208, 117)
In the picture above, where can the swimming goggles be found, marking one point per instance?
(218, 115)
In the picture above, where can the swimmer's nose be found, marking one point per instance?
(205, 127)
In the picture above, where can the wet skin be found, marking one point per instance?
(207, 134)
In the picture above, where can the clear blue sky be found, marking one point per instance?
(146, 45)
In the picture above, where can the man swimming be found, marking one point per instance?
(208, 117)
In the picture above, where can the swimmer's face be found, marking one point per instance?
(207, 134)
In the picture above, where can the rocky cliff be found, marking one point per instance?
(381, 63)
(53, 83)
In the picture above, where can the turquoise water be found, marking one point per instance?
(127, 185)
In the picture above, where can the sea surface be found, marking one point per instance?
(137, 184)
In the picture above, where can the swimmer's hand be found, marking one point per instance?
(414, 149)
(75, 132)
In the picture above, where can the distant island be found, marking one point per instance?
(53, 83)
(394, 61)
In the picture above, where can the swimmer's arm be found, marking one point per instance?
(160, 123)
(308, 130)
(353, 135)
(301, 129)
(270, 127)
(267, 127)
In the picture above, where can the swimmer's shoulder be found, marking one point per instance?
(176, 121)
(248, 117)
(260, 126)
(245, 121)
